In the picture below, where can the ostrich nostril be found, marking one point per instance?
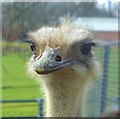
(58, 58)
(39, 57)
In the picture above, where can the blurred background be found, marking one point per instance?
(20, 94)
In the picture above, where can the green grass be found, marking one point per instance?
(15, 79)
(112, 86)
(17, 85)
(20, 109)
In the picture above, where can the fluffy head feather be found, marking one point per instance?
(67, 40)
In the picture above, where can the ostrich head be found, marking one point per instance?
(57, 49)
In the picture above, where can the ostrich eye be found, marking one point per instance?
(86, 48)
(33, 47)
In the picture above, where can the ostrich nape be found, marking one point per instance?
(64, 63)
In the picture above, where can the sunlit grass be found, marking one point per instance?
(17, 85)
(20, 109)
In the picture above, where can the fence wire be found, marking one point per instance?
(103, 96)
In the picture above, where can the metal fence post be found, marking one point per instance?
(40, 107)
(104, 77)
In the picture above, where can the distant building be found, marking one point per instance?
(104, 28)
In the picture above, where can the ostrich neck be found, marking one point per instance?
(64, 95)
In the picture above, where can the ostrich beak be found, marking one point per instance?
(50, 61)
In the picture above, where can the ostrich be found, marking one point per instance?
(63, 63)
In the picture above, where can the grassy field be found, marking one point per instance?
(17, 85)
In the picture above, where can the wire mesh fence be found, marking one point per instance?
(103, 97)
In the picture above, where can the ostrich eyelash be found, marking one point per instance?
(32, 45)
(29, 41)
(85, 47)
(89, 42)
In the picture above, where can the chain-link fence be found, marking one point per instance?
(103, 97)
